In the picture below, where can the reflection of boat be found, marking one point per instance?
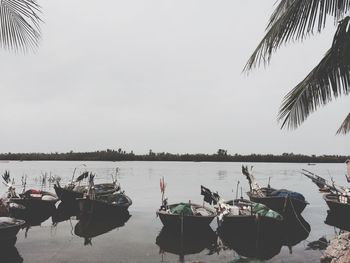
(249, 244)
(338, 220)
(64, 212)
(90, 227)
(280, 200)
(9, 228)
(186, 243)
(295, 230)
(10, 255)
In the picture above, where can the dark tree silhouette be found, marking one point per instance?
(295, 20)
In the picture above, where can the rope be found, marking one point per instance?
(306, 230)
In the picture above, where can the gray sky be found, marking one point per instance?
(161, 75)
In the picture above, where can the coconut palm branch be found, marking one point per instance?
(295, 20)
(19, 25)
(345, 127)
(329, 79)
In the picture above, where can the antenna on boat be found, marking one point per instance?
(75, 170)
(115, 179)
(24, 182)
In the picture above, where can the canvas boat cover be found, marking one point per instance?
(263, 210)
(182, 208)
(285, 193)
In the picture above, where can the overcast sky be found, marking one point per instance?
(160, 75)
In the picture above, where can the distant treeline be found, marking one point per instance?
(220, 156)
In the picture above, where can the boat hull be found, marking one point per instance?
(337, 208)
(186, 222)
(97, 208)
(35, 205)
(67, 196)
(8, 234)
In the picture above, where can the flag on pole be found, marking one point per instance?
(162, 185)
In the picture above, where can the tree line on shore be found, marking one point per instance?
(220, 156)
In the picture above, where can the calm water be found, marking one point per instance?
(136, 240)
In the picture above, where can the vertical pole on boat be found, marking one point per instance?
(241, 192)
(181, 237)
(237, 189)
(162, 188)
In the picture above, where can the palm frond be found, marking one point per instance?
(294, 20)
(345, 127)
(19, 24)
(328, 80)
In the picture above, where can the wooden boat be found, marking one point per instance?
(75, 190)
(251, 229)
(94, 205)
(35, 200)
(186, 216)
(106, 205)
(339, 204)
(282, 201)
(9, 228)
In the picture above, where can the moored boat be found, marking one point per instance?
(184, 216)
(339, 204)
(9, 228)
(94, 205)
(75, 189)
(32, 200)
(282, 201)
(113, 204)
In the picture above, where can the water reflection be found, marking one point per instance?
(89, 228)
(10, 255)
(193, 242)
(264, 244)
(295, 230)
(339, 221)
(64, 212)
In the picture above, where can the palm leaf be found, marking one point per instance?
(294, 20)
(19, 24)
(345, 127)
(328, 80)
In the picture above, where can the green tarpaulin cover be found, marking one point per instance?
(182, 208)
(263, 210)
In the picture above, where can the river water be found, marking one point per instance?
(137, 241)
